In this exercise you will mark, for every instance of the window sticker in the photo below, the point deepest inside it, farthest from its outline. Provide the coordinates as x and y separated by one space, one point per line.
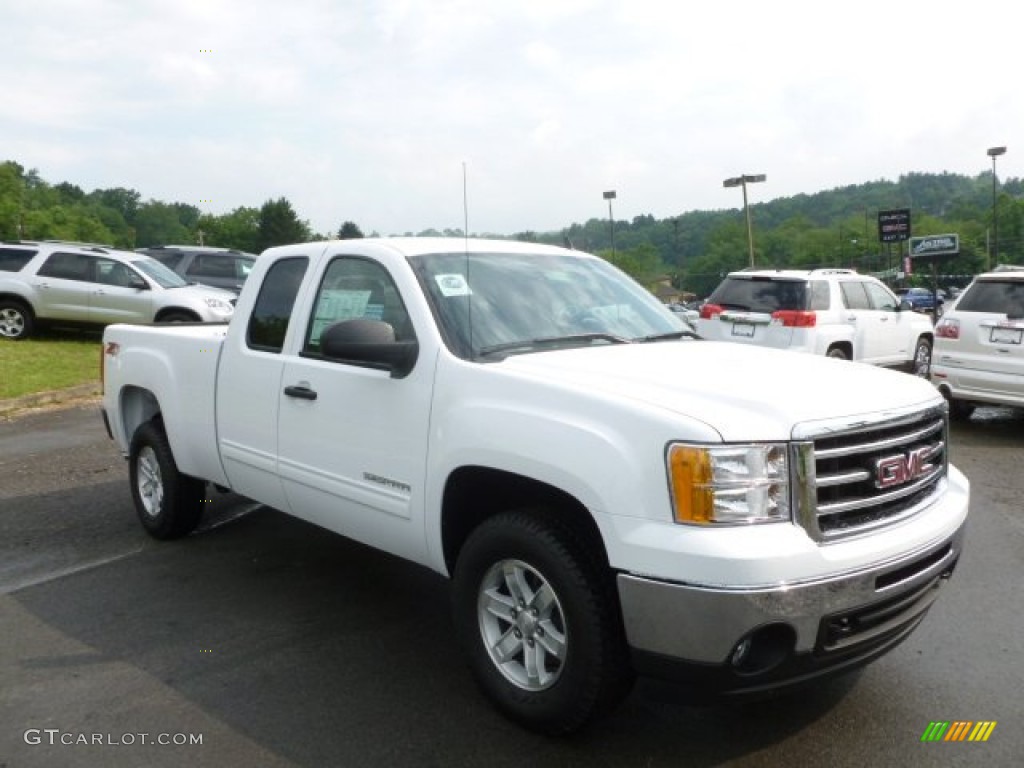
453 285
335 305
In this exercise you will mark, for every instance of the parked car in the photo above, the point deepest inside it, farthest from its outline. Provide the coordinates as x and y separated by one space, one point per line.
76 284
979 344
834 312
921 299
220 267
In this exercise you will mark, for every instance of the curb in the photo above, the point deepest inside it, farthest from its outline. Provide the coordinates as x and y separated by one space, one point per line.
54 397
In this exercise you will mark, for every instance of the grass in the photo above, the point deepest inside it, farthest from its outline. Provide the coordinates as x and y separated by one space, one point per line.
48 360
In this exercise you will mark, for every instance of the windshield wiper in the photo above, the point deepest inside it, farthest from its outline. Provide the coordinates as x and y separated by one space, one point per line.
547 341
669 336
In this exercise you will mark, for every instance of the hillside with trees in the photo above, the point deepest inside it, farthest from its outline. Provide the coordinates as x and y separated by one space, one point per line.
832 228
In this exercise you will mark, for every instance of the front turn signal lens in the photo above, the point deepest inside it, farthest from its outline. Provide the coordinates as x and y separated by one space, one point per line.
729 484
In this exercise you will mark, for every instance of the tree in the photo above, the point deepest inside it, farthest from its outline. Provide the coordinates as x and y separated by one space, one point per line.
280 225
350 231
238 229
158 223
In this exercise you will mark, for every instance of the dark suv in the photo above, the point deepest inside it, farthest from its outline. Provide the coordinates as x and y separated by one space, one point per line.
220 267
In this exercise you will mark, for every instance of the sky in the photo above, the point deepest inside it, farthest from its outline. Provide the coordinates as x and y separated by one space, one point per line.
385 112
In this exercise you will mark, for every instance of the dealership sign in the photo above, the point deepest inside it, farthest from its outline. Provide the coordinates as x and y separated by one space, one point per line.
934 245
894 225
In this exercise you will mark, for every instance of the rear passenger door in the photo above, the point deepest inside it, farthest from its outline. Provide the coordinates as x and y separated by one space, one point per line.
63 285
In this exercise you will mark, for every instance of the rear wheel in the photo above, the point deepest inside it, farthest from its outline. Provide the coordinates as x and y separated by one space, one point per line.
539 620
16 322
838 353
168 503
922 365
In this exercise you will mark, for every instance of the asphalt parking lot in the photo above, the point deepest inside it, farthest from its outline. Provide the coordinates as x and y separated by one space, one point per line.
273 643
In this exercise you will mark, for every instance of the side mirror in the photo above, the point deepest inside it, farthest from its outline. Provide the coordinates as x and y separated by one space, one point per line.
906 306
369 343
136 281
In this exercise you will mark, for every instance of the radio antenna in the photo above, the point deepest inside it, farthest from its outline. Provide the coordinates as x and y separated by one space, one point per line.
465 241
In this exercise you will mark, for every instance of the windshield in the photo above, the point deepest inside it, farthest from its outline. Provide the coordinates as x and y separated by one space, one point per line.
164 276
498 303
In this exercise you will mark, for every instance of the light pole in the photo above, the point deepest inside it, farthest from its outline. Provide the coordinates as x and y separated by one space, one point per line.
993 253
742 181
609 196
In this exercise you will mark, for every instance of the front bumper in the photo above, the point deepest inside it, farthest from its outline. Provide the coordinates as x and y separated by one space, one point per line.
792 631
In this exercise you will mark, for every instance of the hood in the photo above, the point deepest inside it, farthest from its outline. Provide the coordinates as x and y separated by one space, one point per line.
744 393
207 291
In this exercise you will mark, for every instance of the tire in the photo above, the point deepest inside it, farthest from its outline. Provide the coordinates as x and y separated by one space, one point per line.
960 410
16 320
177 317
922 363
168 503
837 353
565 655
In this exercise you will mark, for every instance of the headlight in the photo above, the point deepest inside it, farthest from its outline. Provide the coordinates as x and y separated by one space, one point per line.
729 484
219 306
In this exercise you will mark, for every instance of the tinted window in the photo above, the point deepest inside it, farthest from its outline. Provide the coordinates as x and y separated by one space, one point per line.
854 295
273 309
880 297
998 296
66 266
172 260
213 265
761 294
354 287
13 259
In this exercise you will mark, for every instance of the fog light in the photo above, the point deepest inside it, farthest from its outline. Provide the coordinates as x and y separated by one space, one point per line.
763 649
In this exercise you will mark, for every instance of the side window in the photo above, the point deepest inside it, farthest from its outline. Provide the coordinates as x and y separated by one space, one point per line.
111 272
854 295
821 298
66 266
881 298
13 259
209 265
356 287
273 309
171 260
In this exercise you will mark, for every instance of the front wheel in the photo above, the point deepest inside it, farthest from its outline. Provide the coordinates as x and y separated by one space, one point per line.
168 503
539 620
837 353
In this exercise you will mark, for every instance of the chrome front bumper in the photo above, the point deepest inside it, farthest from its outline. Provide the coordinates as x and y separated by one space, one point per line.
838 616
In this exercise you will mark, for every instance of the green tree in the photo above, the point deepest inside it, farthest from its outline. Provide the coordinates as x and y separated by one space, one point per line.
239 229
280 225
158 223
350 231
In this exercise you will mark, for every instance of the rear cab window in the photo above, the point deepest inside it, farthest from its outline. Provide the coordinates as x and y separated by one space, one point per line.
272 312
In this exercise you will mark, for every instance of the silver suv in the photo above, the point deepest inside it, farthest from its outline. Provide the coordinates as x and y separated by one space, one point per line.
979 344
76 284
833 312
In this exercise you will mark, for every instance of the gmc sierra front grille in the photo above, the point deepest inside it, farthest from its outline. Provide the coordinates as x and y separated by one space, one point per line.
866 475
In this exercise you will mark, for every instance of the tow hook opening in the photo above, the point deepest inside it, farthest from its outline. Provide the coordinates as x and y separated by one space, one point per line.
763 649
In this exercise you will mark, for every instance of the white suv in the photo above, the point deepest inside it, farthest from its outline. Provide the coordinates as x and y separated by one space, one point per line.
979 344
833 312
59 283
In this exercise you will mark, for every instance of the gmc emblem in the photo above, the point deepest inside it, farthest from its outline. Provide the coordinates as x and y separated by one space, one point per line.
901 469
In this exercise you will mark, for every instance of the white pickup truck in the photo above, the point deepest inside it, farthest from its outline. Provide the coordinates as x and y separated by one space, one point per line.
609 495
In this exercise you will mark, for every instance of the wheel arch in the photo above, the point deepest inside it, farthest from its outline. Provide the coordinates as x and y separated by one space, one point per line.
473 494
172 311
137 406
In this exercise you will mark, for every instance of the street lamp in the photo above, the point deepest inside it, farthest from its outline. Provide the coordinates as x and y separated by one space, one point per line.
609 196
742 181
994 152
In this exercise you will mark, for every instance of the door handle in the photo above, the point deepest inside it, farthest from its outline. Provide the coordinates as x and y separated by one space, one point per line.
300 391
